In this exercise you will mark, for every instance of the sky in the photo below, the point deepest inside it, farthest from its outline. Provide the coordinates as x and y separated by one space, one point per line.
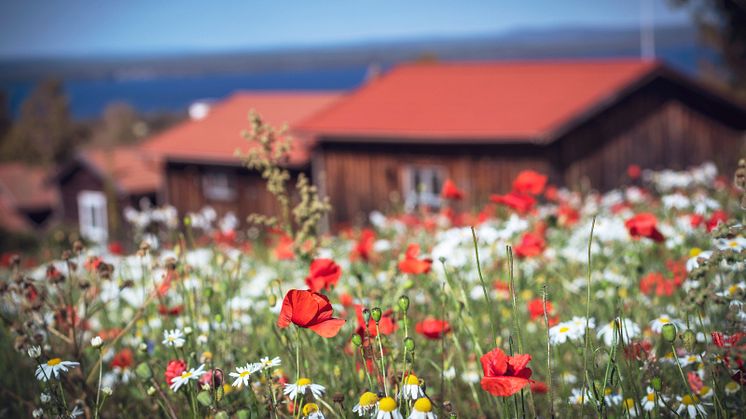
107 27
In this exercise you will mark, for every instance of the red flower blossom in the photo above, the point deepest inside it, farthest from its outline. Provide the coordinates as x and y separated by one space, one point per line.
531 245
520 202
164 310
346 299
529 182
207 378
387 324
123 359
310 310
432 328
115 248
724 341
364 247
536 308
567 216
284 248
323 274
538 387
505 375
92 263
411 264
716 218
634 171
174 369
644 224
450 191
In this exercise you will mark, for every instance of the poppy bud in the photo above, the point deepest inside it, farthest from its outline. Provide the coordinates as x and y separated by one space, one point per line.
404 303
669 332
143 371
656 383
409 344
203 397
357 340
689 338
366 316
376 314
221 415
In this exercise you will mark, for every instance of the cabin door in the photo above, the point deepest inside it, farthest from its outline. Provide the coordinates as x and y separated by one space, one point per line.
92 216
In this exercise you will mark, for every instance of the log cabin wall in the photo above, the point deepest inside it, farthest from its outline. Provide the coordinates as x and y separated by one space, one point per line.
79 179
360 177
659 127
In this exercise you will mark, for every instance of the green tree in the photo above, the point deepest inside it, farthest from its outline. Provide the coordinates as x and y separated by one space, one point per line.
722 25
44 133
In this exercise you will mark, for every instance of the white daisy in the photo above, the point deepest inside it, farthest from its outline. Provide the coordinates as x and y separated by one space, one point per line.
311 411
576 397
611 397
733 290
656 325
422 409
300 387
387 409
53 368
243 374
692 407
266 363
366 404
607 332
691 359
173 338
411 388
562 332
192 374
630 408
649 401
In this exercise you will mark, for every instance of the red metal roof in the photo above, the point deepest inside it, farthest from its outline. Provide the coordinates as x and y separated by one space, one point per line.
216 137
477 100
131 168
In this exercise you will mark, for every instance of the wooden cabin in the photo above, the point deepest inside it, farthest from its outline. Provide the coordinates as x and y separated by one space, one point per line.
99 184
28 202
582 122
200 165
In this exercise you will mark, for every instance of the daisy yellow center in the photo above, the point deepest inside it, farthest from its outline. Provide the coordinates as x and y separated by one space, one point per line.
244 374
54 361
651 397
704 390
688 400
310 408
186 374
732 289
607 391
170 338
733 244
412 379
732 386
564 329
664 319
695 252
368 399
303 382
387 404
423 405
629 404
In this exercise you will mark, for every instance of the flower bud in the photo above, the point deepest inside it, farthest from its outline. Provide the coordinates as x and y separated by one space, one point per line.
404 303
366 316
656 383
97 342
34 352
143 371
669 332
689 338
376 313
357 340
409 344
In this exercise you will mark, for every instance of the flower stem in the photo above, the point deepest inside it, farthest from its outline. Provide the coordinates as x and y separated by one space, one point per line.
586 342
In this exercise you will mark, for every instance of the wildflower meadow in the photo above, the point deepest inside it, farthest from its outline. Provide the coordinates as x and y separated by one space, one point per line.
543 302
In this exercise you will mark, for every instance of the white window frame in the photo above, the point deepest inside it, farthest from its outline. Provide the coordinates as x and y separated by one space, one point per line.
429 176
217 186
92 216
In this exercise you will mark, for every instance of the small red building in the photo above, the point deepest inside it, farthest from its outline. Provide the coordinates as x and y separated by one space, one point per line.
583 122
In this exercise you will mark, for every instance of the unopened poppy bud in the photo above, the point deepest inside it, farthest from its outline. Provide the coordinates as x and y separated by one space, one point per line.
656 383
409 344
357 340
689 338
376 313
143 371
366 316
404 303
669 332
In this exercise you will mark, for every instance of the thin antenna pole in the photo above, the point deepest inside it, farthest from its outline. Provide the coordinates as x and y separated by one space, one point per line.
647 31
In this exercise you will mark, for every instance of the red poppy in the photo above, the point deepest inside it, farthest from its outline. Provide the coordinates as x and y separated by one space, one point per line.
432 328
364 247
174 369
529 182
346 299
724 341
323 274
123 359
450 191
387 324
520 202
505 375
532 244
92 263
695 220
310 310
634 171
538 387
536 308
551 193
284 248
716 218
225 238
644 224
115 248
411 264
567 216
165 310
207 378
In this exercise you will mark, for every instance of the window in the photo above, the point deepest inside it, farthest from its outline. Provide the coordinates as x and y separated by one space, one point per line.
422 185
218 186
92 216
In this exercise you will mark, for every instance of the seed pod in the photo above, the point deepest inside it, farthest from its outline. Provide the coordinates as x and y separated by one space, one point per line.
656 383
404 303
409 344
669 332
357 340
376 313
690 339
366 316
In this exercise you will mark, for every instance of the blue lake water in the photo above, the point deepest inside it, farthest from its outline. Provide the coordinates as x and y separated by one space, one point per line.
88 98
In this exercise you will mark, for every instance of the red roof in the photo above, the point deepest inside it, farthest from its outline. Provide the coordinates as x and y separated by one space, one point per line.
26 187
479 101
132 169
216 137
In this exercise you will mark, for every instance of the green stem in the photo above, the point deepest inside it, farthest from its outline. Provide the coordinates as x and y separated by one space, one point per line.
586 342
383 365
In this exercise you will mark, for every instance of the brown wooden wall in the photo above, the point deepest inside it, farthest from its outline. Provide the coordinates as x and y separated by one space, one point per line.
184 190
78 179
360 178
